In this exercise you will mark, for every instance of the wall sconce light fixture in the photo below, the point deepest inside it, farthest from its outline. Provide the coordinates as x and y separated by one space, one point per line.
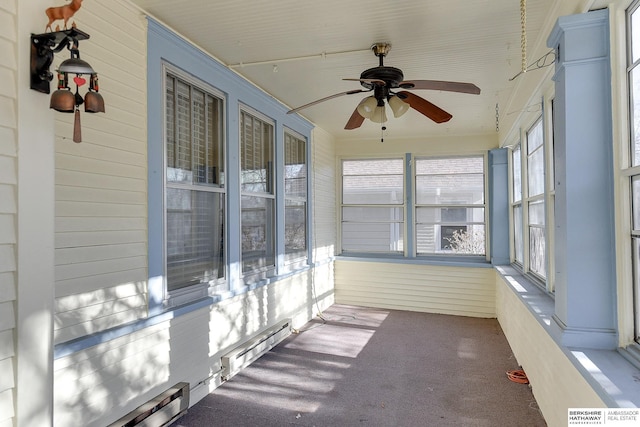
43 47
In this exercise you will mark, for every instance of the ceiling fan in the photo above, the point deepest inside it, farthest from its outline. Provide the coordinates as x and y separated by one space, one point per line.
383 80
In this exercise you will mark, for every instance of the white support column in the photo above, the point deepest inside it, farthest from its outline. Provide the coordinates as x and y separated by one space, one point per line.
35 241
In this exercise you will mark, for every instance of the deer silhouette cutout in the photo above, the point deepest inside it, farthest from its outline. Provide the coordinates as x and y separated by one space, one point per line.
62 12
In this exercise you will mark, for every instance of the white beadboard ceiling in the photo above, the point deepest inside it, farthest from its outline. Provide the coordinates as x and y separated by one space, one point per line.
316 44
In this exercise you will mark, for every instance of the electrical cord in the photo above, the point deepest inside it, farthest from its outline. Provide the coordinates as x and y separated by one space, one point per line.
518 376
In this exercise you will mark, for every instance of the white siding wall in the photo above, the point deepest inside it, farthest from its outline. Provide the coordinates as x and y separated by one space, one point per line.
555 381
8 208
464 291
324 196
109 380
101 200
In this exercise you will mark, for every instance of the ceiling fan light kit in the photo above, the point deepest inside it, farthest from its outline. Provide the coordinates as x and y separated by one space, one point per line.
382 80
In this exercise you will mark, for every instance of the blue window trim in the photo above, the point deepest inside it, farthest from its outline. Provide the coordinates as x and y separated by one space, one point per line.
164 46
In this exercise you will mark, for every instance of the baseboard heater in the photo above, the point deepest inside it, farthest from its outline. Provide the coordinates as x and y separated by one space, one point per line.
160 411
251 350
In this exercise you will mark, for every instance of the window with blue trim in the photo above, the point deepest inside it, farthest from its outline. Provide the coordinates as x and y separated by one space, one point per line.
194 187
445 215
258 196
295 197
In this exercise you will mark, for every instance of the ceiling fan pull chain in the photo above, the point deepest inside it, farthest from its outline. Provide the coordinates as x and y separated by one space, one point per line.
523 35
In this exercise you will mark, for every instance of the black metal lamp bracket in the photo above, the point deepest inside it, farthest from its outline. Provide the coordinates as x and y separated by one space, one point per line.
43 46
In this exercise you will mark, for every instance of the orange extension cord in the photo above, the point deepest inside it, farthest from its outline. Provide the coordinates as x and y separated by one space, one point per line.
518 376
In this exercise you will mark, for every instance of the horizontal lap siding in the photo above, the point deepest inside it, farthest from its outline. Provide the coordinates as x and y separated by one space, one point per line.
8 208
465 291
100 384
101 184
324 195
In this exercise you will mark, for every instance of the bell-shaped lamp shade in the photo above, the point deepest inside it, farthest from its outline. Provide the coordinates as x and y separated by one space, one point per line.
398 106
367 106
379 115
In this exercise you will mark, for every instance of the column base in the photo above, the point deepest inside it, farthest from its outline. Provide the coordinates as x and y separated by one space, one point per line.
592 338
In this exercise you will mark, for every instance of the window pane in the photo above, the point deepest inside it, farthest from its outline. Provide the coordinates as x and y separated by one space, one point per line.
295 227
373 182
635 184
517 234
456 180
195 237
534 138
295 173
256 154
295 187
635 36
450 215
635 115
537 251
367 214
450 228
535 161
257 233
194 135
458 230
372 237
536 213
194 218
517 174
367 229
437 238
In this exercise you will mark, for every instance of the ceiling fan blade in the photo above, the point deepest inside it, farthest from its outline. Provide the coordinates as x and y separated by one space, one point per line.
376 81
424 107
349 92
355 121
441 85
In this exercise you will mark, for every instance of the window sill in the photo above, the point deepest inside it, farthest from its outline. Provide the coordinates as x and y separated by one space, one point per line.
611 375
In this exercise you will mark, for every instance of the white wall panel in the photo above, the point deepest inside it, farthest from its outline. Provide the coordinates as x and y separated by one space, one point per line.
324 198
101 200
465 291
125 372
555 381
8 209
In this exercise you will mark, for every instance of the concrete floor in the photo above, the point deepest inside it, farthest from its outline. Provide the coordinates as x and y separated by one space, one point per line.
360 366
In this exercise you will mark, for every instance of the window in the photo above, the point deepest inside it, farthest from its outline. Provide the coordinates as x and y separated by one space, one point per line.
532 198
448 216
516 205
633 171
373 206
295 196
535 200
258 195
194 187
449 200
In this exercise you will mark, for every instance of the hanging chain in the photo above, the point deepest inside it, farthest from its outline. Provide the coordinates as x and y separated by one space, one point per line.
497 118
523 34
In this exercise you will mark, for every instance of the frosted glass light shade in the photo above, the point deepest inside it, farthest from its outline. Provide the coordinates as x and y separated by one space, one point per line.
398 106
367 106
379 115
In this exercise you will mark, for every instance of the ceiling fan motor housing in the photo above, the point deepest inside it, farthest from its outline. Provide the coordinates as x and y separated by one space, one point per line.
390 75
